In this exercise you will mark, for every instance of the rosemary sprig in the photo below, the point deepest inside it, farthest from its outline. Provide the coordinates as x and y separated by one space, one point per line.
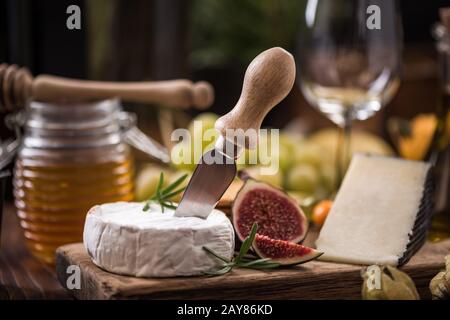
241 260
163 196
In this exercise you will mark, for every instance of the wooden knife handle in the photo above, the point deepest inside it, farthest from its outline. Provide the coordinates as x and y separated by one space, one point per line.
175 93
268 80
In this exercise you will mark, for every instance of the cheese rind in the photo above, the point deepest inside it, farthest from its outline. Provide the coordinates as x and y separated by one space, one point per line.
122 238
373 215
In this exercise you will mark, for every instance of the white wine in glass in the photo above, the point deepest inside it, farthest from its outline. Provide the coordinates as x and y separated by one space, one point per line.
349 58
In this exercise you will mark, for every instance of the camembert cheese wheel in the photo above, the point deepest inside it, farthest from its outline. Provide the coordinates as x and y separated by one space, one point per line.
122 238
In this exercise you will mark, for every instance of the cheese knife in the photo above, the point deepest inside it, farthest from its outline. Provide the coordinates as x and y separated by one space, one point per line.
268 80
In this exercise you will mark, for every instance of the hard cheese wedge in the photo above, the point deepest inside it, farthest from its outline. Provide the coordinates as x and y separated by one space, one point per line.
380 214
121 238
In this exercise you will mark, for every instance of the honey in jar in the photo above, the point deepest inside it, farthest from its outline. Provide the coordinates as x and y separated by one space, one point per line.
72 157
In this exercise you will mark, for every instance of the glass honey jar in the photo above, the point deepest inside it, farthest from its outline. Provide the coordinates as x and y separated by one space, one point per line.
72 157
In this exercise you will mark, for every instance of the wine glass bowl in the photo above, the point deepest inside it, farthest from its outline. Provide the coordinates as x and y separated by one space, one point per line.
349 69
346 86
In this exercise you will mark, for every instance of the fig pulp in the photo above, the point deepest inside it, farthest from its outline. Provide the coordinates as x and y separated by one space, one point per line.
278 216
283 252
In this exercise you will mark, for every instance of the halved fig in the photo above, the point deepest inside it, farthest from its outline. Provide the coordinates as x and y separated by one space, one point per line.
283 252
278 215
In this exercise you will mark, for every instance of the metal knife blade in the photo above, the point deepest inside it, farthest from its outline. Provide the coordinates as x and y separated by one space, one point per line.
207 185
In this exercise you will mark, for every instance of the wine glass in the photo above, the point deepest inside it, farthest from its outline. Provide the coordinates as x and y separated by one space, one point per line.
349 60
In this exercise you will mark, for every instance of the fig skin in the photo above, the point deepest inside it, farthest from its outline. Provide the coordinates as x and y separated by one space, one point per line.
293 235
303 254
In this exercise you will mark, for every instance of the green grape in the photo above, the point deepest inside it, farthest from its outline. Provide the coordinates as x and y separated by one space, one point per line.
146 182
290 141
285 159
182 155
275 179
281 151
362 141
303 177
328 176
201 128
280 155
310 153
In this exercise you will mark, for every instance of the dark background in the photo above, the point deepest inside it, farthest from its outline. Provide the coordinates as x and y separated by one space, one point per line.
196 39
213 40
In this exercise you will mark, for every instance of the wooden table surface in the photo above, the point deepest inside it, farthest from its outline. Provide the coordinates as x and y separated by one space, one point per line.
24 277
313 280
21 275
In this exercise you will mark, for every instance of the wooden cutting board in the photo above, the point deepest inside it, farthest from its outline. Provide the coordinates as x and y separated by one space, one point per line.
313 280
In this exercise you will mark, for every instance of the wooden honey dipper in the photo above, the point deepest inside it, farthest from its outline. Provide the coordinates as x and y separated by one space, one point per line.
17 86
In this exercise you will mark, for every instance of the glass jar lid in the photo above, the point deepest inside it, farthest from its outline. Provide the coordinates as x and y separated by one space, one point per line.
73 125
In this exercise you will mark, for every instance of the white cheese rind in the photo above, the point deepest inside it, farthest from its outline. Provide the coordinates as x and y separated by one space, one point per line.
374 211
122 238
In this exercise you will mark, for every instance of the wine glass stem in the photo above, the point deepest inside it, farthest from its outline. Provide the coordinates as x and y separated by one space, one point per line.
343 153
